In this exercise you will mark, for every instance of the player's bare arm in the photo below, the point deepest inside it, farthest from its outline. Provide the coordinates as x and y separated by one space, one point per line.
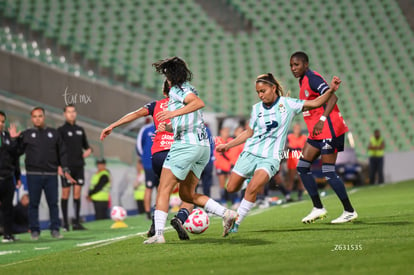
141 112
240 139
192 104
319 101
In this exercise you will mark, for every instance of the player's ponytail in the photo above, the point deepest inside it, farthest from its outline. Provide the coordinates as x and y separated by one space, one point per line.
271 80
175 70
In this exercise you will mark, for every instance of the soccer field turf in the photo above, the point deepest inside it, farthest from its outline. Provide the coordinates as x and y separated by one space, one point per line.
269 241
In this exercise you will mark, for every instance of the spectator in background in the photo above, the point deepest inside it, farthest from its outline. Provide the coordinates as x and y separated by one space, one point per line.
295 143
9 173
99 190
223 163
376 157
45 151
78 149
144 144
21 215
139 187
207 174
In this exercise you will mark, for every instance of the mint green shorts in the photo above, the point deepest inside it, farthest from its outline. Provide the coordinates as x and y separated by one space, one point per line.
248 163
184 158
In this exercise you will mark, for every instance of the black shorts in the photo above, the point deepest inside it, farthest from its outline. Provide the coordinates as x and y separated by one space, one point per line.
158 161
151 180
221 172
329 145
77 174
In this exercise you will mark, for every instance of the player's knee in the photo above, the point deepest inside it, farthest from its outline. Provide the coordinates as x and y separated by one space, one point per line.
231 187
328 171
303 167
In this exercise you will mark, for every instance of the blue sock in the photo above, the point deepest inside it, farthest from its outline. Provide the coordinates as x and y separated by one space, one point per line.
182 215
337 185
305 174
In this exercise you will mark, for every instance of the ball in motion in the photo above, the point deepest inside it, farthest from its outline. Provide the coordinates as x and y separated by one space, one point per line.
197 222
118 213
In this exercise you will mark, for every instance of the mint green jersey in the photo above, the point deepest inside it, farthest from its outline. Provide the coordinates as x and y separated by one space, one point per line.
270 125
188 128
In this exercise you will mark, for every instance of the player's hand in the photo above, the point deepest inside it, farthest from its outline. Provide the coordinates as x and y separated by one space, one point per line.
60 171
317 129
164 115
106 132
162 127
336 81
69 178
18 184
13 131
221 148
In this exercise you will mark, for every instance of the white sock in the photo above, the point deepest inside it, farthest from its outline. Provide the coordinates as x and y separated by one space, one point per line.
160 217
214 207
243 209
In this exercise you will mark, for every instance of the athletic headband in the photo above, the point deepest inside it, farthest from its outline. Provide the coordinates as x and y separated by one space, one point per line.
266 81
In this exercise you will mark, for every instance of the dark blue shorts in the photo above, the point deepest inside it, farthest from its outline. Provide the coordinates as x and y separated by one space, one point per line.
77 173
329 145
158 161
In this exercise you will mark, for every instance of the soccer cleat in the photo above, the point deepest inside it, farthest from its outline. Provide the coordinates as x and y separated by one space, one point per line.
229 218
178 226
151 231
78 226
235 228
155 239
34 235
346 217
315 214
56 234
66 227
9 239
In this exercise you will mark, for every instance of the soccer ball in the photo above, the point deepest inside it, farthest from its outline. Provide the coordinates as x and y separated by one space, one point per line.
197 222
118 213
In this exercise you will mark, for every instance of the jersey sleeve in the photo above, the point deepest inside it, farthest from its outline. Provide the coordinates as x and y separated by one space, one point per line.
296 105
318 84
85 143
150 107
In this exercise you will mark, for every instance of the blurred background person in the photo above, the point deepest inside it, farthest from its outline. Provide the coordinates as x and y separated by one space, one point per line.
78 149
295 142
376 157
207 174
9 174
99 190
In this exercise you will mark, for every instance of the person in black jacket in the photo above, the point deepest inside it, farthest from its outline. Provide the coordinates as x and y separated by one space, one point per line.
77 148
45 151
9 172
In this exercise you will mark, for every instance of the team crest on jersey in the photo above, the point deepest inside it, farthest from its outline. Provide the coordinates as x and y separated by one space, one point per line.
79 132
33 135
7 141
50 135
70 133
282 108
306 93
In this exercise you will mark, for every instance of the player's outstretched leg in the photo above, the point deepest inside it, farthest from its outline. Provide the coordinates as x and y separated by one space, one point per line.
178 221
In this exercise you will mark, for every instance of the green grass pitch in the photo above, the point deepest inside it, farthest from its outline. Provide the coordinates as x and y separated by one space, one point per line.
271 241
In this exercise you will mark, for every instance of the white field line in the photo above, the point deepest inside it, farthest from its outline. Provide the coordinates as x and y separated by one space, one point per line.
9 252
41 248
15 263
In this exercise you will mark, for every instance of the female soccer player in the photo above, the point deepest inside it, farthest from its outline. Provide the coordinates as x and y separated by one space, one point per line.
265 138
327 131
190 151
161 145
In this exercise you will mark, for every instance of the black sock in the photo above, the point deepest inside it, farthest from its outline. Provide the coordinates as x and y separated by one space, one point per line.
347 205
300 193
182 215
64 206
76 203
317 201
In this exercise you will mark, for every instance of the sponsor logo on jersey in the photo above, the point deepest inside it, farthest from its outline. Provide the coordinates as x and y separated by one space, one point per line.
50 135
79 132
271 124
306 93
33 135
70 133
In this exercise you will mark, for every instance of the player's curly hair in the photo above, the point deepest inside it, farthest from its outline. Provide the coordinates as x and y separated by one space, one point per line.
271 80
166 87
175 69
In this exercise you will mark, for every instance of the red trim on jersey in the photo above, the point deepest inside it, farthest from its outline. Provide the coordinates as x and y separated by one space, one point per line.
334 122
162 140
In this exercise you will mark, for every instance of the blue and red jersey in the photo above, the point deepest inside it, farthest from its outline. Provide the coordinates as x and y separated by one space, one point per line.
162 140
313 85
